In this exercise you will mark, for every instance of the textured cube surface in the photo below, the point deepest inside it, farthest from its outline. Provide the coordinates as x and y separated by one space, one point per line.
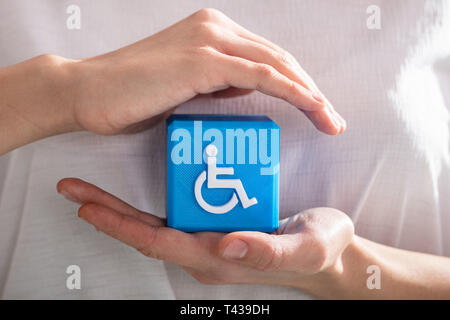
222 173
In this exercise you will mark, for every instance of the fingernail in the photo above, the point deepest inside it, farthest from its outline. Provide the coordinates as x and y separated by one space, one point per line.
235 250
69 196
333 118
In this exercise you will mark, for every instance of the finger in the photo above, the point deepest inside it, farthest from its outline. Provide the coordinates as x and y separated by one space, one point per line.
228 23
307 81
80 191
289 66
324 121
336 116
312 241
321 120
156 242
266 252
256 52
245 74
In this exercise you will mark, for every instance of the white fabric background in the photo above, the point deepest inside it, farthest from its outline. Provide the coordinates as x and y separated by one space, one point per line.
390 171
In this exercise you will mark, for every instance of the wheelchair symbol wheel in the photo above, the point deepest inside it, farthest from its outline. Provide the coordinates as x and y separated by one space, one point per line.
206 206
214 182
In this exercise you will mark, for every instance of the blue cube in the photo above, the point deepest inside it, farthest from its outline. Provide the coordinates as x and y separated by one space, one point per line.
222 173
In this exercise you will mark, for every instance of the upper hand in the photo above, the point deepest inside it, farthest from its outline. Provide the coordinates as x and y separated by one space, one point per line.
204 53
306 248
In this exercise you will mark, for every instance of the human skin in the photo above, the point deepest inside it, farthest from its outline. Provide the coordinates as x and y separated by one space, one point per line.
126 89
315 250
206 53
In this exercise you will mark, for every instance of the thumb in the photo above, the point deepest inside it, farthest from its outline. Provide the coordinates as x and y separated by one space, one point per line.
262 251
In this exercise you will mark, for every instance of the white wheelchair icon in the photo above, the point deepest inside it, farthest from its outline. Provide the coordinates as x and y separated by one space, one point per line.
213 182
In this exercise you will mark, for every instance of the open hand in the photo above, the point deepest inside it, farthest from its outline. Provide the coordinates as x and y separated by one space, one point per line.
206 52
307 246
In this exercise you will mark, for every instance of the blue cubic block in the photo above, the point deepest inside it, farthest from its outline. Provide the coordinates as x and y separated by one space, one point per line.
222 173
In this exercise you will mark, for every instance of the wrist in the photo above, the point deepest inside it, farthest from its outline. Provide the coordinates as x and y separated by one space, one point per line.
35 101
57 93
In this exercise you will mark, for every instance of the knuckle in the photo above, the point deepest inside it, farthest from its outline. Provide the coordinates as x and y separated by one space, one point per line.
265 70
49 59
203 52
148 248
208 31
204 61
207 14
285 58
292 89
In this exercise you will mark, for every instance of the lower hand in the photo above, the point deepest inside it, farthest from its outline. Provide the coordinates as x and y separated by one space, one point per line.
305 251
